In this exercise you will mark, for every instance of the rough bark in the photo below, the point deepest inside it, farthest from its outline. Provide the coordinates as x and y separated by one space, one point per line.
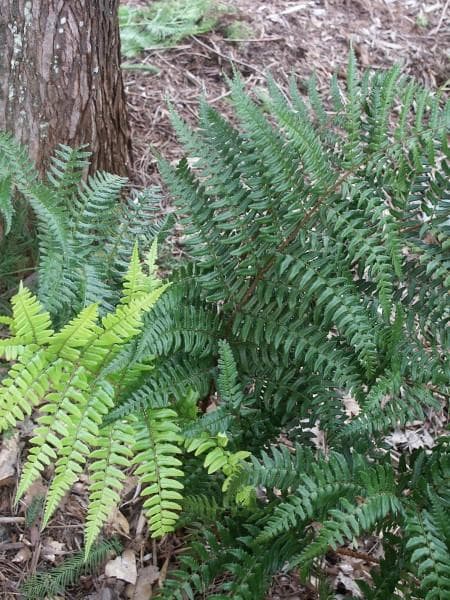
60 79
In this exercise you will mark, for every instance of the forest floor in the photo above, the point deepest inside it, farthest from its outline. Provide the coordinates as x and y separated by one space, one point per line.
254 37
280 37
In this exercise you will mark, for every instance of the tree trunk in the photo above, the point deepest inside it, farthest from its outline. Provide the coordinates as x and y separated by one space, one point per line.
60 79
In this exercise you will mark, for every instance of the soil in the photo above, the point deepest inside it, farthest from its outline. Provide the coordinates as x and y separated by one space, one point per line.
255 37
280 37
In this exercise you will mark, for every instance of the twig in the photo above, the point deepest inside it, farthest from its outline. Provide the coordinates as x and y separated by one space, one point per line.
220 97
355 554
11 546
6 520
262 39
441 20
228 58
154 553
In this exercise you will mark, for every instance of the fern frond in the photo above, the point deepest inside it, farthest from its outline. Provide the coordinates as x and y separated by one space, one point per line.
111 454
53 582
348 522
430 556
164 23
327 483
6 205
227 384
30 323
27 384
69 385
66 171
81 433
156 449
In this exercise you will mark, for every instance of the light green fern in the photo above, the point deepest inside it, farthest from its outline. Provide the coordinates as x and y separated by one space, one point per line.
67 375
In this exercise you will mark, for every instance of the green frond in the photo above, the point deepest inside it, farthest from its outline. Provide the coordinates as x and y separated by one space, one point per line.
327 483
26 385
227 384
80 435
170 379
164 23
134 281
430 556
282 469
69 385
307 322
66 171
118 328
349 521
6 204
202 509
30 323
111 455
71 339
214 422
156 449
176 326
46 584
74 375
98 202
138 220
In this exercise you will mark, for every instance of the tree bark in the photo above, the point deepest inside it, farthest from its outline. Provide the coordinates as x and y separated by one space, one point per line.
60 79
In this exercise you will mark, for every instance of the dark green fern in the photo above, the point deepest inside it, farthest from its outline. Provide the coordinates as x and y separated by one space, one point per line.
319 243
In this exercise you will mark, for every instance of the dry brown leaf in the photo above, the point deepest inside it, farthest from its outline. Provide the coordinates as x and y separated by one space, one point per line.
350 585
351 406
318 438
118 523
123 567
23 555
51 549
9 453
143 588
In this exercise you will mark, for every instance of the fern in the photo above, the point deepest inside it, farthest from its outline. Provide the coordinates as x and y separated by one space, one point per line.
86 235
47 584
164 24
319 246
429 555
307 323
67 374
156 448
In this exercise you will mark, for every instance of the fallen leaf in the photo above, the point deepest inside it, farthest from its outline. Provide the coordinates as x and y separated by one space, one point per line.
146 578
348 581
9 454
23 555
52 549
318 437
123 567
117 522
351 406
